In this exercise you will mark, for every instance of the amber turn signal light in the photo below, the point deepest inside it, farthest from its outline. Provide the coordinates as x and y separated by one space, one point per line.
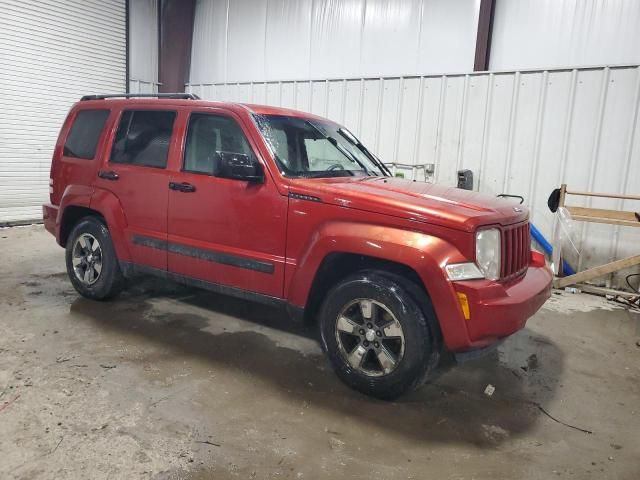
464 305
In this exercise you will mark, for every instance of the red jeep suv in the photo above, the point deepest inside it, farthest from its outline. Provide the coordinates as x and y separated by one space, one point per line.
290 209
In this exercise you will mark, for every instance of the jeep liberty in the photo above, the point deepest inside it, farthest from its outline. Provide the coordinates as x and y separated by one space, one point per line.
290 209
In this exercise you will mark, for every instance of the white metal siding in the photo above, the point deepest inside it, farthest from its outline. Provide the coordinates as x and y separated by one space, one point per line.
143 46
521 133
51 53
559 33
251 40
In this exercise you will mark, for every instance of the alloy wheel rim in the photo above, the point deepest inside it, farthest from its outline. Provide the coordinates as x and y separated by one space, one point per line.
370 338
86 258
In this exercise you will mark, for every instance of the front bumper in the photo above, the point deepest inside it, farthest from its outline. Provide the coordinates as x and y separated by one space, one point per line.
500 309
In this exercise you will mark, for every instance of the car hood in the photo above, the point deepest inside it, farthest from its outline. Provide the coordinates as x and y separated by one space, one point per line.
418 201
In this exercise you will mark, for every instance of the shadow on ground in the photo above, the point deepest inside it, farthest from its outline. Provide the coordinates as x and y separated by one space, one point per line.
451 408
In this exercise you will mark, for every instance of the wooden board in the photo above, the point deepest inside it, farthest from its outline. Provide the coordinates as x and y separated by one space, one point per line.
585 287
611 221
602 215
596 272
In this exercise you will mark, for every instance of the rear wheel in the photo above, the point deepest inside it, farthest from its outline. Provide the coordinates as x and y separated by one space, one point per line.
91 260
380 337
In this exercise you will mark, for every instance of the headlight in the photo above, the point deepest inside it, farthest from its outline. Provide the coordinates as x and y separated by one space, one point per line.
488 253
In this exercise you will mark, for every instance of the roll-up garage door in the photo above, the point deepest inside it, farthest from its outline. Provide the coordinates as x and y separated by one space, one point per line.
51 53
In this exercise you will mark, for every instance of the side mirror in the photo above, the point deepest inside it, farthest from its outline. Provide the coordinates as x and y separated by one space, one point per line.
239 166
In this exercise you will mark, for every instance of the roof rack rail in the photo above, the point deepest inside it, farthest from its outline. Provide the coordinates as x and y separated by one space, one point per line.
185 96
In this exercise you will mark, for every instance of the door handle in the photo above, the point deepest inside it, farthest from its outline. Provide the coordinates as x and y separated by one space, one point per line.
182 187
108 175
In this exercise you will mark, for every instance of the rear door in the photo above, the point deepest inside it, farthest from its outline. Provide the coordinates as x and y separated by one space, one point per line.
136 172
225 231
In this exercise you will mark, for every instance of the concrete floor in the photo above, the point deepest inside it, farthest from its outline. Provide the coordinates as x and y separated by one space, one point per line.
171 382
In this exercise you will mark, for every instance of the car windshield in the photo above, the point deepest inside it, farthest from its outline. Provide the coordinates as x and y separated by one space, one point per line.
315 148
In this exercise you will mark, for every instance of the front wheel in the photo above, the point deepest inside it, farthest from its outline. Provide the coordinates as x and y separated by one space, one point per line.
380 338
91 260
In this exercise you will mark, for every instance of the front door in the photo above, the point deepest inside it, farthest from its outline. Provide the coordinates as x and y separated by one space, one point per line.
224 231
136 173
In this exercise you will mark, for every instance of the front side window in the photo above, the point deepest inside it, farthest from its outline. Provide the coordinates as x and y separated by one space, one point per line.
84 135
314 148
209 136
143 138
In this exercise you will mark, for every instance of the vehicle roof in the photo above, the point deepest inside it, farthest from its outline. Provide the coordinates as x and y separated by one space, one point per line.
176 102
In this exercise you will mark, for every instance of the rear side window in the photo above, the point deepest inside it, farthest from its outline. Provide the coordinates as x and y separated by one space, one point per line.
143 138
85 133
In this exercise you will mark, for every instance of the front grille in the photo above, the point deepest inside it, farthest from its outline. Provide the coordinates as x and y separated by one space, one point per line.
516 250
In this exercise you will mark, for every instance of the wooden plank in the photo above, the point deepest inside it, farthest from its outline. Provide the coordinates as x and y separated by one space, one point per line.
605 195
603 213
611 221
563 194
596 272
606 291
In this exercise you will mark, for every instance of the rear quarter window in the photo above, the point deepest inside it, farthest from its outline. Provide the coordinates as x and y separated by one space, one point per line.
84 135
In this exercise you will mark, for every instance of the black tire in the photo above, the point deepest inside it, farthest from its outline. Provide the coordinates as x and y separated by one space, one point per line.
412 309
109 281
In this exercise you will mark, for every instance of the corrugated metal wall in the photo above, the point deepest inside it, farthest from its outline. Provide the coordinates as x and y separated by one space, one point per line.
559 33
51 53
521 133
244 40
143 46
257 40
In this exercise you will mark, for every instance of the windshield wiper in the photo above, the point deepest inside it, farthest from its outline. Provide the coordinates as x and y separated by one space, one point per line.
358 144
340 148
375 159
348 154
